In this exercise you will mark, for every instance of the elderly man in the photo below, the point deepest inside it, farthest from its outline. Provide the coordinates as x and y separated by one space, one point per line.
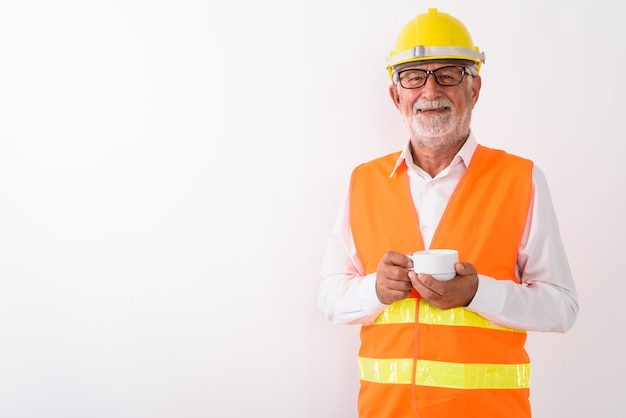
452 348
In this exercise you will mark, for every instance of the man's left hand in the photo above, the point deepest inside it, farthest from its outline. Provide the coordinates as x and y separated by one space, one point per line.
454 293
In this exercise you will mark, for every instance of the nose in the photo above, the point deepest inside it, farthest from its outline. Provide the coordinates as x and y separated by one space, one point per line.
431 89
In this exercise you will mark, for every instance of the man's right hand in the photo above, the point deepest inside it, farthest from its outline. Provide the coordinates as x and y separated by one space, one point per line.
392 277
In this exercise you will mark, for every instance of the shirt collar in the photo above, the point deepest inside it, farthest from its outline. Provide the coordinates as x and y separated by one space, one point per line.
464 155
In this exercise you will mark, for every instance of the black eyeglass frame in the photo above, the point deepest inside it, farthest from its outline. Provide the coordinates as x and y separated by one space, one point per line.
434 73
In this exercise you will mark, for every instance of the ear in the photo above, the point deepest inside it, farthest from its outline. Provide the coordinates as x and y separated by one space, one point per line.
395 96
477 82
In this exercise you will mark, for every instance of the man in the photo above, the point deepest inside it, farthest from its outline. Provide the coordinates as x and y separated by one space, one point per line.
431 348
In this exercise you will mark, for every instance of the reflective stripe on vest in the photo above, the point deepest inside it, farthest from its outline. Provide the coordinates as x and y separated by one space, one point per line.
445 375
403 312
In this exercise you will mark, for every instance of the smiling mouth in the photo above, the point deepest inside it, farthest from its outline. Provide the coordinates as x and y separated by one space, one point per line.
433 109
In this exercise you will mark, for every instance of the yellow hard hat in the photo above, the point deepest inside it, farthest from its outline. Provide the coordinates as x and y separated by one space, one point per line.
434 36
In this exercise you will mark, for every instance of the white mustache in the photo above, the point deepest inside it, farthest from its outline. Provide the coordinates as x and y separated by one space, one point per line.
423 104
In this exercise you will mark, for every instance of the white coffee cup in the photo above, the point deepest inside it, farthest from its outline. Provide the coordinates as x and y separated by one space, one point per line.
438 263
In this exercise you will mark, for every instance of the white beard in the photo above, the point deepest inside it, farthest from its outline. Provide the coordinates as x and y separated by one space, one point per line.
439 130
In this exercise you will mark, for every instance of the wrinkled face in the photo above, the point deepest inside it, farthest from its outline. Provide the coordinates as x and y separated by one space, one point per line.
436 115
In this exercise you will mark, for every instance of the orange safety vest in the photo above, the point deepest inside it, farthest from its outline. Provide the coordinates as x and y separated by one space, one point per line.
444 363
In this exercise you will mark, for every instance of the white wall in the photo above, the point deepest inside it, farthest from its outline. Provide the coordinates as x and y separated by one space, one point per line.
170 171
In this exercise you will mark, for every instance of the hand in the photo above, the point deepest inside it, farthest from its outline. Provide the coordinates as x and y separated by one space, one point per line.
454 293
392 279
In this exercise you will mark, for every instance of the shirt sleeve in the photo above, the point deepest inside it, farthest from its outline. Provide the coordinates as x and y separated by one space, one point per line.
346 295
545 299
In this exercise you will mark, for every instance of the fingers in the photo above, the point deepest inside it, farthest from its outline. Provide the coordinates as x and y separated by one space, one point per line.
457 292
394 258
427 286
392 281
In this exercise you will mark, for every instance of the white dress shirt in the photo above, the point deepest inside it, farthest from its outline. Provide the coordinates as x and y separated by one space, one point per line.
544 300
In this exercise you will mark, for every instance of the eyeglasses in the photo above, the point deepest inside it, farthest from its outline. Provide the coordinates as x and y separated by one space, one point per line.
445 76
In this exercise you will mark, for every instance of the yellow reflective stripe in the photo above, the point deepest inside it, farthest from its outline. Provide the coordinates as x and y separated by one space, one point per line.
455 317
403 312
445 375
400 312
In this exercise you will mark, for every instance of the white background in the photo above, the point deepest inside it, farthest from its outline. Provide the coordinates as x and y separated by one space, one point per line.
170 172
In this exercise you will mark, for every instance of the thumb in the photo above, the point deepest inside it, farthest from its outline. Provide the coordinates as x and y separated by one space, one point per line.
464 269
